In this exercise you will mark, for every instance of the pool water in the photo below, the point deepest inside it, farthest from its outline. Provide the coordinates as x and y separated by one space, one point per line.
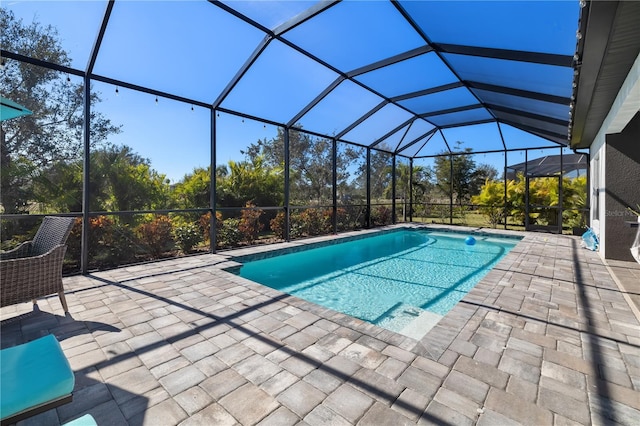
403 280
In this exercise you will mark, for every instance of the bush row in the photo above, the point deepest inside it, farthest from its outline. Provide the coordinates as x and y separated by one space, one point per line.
120 240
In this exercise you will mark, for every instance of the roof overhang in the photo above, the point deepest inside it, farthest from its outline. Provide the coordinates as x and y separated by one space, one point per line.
609 46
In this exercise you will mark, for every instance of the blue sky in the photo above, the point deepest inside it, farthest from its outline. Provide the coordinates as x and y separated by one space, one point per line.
193 49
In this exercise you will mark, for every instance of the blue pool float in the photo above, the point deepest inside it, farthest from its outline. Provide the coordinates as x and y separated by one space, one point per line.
470 241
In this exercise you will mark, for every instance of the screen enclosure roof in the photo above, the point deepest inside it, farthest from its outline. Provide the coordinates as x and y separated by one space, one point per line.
408 77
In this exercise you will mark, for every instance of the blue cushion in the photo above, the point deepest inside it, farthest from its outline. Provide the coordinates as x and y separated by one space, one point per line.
33 374
85 420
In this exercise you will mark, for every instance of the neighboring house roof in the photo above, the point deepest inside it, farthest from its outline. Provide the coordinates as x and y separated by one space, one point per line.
550 165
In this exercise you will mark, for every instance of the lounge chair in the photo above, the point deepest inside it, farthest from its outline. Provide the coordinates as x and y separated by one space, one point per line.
86 420
34 377
34 268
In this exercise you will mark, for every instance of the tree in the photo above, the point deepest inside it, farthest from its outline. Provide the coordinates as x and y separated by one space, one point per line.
404 181
468 177
313 170
348 190
310 164
380 174
481 174
250 181
458 183
124 181
58 187
120 180
53 133
195 188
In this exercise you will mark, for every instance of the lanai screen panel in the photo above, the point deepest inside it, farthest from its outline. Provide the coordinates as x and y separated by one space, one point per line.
516 138
394 139
440 101
554 130
417 144
534 26
456 118
351 34
436 145
153 44
311 170
144 123
479 137
76 23
248 151
279 84
541 78
271 14
419 129
380 123
337 110
411 75
522 103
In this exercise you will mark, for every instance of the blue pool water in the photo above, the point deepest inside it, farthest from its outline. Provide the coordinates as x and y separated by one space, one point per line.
394 279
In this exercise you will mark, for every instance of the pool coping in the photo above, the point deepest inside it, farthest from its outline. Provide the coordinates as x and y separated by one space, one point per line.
311 243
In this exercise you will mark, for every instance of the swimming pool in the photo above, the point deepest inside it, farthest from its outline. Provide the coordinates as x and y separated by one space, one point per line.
404 280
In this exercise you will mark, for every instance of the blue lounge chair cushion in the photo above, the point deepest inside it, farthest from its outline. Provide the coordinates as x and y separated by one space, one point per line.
86 420
33 374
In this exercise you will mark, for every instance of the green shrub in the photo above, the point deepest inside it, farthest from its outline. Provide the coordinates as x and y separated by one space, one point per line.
14 233
120 241
296 225
187 236
229 234
491 202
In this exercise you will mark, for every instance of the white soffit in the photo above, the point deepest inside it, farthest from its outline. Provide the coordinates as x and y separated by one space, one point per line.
627 102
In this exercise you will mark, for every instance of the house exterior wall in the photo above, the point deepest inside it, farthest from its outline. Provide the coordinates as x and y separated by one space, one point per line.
622 189
615 171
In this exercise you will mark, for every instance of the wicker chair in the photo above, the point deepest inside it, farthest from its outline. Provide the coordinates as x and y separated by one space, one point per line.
34 268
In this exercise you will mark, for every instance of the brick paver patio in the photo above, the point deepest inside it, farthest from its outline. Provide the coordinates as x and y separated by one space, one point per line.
547 337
